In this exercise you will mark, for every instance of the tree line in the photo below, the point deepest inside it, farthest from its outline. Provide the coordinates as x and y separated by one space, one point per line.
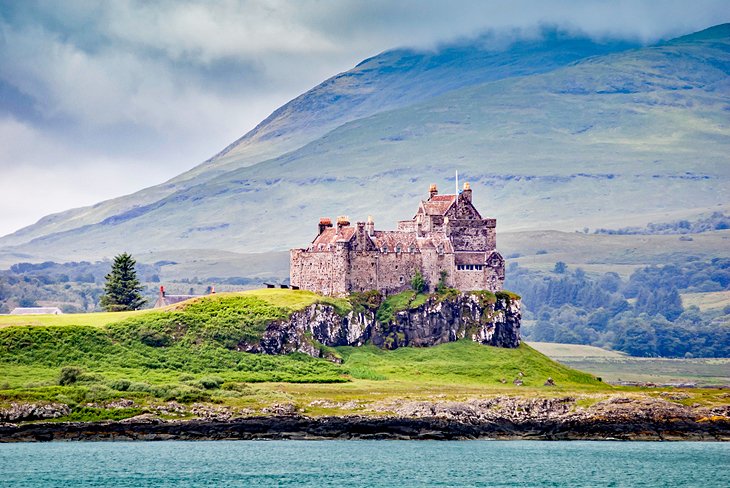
642 316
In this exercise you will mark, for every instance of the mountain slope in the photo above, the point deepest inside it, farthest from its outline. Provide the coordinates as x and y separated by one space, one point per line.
392 79
641 133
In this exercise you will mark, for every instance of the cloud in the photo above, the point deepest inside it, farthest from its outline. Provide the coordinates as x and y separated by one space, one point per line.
95 88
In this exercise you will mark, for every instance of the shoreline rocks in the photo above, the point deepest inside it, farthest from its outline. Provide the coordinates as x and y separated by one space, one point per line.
617 417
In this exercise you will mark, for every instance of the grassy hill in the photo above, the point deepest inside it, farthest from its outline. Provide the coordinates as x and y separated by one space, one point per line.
188 353
586 138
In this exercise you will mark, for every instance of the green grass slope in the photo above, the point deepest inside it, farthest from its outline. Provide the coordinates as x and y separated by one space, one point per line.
188 353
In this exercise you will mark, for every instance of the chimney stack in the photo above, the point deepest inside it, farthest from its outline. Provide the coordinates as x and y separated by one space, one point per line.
432 190
324 222
370 226
342 221
467 192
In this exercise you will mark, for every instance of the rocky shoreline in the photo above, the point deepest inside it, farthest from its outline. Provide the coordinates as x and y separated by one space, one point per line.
616 418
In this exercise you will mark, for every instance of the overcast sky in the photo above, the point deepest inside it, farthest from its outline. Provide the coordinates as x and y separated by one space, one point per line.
100 99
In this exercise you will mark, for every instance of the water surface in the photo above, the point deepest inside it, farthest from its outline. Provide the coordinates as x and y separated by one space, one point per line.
355 464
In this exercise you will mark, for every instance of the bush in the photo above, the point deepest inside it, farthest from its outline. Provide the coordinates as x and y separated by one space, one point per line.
418 283
209 382
69 375
120 385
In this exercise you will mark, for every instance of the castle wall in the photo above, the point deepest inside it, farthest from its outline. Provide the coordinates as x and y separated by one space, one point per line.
322 272
363 274
435 262
395 270
472 234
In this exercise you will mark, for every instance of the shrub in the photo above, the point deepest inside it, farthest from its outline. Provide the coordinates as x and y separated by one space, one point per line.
209 382
120 385
69 375
418 283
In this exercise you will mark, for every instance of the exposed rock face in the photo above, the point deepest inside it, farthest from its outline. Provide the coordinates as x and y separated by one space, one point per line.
469 315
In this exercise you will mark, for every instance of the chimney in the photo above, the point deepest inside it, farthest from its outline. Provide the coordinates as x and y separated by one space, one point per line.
433 190
342 221
324 222
467 192
370 226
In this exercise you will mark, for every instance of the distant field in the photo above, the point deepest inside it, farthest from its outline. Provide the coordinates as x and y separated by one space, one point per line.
558 351
703 371
707 301
599 253
614 366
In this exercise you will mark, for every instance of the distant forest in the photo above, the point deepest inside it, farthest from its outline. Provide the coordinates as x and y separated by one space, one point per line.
77 286
716 221
643 316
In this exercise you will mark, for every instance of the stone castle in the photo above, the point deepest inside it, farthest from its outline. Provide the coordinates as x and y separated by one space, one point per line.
447 237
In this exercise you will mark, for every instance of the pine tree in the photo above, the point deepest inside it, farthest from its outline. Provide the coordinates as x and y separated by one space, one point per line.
122 288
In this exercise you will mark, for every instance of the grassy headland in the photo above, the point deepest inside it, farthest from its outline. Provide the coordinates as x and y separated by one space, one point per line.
188 353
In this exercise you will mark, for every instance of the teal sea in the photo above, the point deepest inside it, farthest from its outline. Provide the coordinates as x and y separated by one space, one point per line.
354 464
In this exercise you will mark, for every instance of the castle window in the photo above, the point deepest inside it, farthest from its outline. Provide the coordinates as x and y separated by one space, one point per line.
384 249
321 246
411 249
397 248
402 280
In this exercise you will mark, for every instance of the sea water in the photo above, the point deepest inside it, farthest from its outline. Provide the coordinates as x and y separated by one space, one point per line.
354 464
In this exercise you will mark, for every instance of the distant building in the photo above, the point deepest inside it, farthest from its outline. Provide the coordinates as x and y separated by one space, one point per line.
447 235
36 311
163 299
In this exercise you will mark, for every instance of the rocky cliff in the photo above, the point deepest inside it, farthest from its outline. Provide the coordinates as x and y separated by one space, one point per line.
483 317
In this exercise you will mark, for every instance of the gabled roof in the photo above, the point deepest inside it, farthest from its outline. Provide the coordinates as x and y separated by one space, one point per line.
438 204
331 235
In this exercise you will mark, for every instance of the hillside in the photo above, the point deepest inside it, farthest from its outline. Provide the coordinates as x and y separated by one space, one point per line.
561 134
191 352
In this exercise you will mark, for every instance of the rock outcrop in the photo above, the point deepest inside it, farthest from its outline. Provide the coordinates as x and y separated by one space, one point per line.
480 316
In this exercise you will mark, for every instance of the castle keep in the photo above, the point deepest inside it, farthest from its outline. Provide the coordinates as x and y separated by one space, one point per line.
447 234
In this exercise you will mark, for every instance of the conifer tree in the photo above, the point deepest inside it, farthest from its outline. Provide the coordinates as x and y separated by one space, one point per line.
122 288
